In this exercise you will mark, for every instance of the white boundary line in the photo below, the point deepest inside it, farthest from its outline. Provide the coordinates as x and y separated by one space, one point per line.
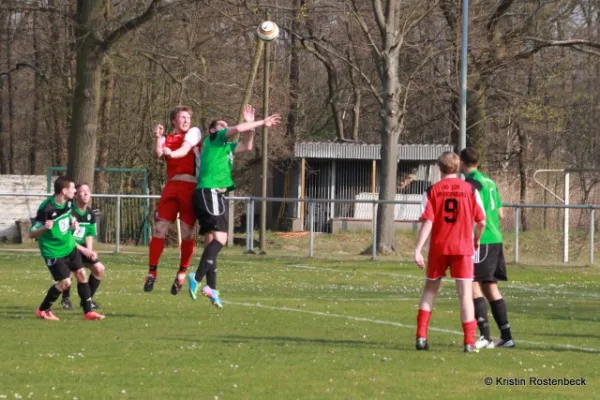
401 325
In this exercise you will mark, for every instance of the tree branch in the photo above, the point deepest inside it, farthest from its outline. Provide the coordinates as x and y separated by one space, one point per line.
134 23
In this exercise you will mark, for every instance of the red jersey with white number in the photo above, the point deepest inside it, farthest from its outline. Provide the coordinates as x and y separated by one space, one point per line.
452 205
188 164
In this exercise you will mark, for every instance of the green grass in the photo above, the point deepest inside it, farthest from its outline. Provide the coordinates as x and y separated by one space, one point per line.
292 328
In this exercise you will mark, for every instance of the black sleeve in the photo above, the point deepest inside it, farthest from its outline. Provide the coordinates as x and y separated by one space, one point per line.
476 184
41 217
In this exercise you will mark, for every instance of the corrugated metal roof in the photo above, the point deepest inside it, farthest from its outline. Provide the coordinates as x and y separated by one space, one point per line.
363 151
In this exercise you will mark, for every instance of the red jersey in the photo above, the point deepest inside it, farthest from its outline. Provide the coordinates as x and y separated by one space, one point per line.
190 163
452 205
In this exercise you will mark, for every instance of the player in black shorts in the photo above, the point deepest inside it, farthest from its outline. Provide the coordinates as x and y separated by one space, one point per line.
490 266
84 237
53 227
214 181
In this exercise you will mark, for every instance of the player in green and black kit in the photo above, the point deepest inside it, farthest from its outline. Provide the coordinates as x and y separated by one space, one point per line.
84 237
490 266
215 180
53 226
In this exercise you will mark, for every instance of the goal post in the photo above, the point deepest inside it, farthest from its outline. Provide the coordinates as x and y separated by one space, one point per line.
565 199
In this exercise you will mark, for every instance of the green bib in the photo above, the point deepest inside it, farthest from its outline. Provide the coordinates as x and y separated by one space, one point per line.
488 190
216 162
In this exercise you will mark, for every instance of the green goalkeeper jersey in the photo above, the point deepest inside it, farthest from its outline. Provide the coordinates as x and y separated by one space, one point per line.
57 242
87 224
491 203
216 162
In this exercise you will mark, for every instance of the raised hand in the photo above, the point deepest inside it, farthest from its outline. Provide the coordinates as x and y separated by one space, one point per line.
273 120
49 224
158 131
248 113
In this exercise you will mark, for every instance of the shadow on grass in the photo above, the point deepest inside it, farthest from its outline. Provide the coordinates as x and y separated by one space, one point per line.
283 340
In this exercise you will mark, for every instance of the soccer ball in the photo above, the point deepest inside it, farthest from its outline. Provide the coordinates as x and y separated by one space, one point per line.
267 31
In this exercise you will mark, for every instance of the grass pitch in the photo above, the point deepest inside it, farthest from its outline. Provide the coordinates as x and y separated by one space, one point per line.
291 328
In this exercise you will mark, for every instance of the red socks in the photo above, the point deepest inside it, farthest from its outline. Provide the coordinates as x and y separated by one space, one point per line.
423 323
469 330
157 245
186 253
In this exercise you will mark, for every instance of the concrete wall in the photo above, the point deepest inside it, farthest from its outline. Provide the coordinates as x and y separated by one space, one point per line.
350 225
13 209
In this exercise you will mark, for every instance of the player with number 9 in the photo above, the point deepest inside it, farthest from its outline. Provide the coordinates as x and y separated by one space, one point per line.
450 209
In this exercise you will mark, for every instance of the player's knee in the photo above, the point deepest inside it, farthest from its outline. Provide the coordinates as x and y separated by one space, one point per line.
80 275
98 270
187 231
161 228
64 284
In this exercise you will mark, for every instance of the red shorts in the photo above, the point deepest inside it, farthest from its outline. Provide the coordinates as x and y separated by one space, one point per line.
176 198
461 267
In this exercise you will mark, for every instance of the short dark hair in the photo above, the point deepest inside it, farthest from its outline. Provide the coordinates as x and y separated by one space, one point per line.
62 182
469 156
175 111
80 185
213 125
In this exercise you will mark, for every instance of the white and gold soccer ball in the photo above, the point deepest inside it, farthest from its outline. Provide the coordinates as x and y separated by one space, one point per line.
267 31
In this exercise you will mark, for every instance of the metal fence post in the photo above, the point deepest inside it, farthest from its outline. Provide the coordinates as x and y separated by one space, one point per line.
374 221
311 223
251 225
517 221
592 220
248 226
118 225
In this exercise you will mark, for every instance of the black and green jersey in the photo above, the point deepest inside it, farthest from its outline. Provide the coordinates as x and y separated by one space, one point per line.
216 162
87 224
57 242
491 203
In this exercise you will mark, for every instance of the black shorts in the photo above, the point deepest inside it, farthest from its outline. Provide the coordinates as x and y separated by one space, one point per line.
88 262
211 211
490 265
61 268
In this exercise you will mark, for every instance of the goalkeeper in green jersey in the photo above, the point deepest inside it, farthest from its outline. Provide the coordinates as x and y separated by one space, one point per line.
214 181
490 266
53 227
84 237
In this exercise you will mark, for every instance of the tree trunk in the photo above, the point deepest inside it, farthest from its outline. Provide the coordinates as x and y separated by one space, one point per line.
386 242
476 118
9 89
333 84
523 156
35 114
60 96
392 111
3 158
86 99
105 115
292 118
356 114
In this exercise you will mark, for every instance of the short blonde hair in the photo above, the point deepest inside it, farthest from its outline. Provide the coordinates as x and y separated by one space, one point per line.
449 162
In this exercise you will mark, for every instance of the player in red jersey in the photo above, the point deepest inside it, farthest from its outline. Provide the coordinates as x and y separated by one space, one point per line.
181 152
450 208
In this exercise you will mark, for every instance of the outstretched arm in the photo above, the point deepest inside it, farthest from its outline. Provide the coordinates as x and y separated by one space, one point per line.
270 121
